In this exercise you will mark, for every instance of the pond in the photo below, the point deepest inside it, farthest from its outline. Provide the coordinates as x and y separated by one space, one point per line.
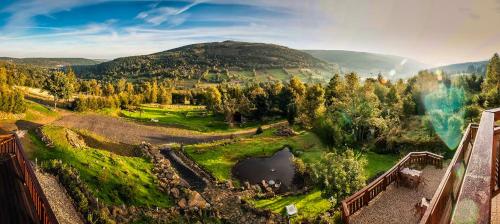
278 169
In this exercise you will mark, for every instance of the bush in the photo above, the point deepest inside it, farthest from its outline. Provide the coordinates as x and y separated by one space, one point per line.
11 100
339 174
259 130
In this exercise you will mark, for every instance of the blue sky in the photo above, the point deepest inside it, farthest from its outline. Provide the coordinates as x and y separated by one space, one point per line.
432 31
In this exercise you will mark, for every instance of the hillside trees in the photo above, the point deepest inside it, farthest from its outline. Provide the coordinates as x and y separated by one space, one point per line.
491 85
59 85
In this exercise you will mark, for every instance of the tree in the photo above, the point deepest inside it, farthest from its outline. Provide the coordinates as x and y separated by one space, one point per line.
110 89
313 106
121 85
491 85
59 86
213 99
339 174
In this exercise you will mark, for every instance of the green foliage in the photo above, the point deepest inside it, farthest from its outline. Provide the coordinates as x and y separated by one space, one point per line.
11 100
60 85
339 174
491 84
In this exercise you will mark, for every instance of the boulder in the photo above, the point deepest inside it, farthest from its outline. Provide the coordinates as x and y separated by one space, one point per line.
229 184
182 203
175 192
196 200
75 139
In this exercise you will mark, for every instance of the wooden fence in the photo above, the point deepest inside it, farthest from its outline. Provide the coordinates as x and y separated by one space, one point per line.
9 144
361 198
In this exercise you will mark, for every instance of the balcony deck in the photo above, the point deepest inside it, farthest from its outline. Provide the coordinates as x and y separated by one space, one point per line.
396 204
15 205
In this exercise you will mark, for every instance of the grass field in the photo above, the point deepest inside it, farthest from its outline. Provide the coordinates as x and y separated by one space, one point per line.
106 173
189 117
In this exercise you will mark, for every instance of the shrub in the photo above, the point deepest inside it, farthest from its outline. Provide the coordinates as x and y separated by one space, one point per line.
259 130
339 174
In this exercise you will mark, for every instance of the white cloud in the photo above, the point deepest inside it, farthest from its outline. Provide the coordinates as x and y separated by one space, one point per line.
158 16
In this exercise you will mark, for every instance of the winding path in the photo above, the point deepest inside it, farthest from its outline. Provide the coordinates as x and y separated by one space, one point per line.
129 132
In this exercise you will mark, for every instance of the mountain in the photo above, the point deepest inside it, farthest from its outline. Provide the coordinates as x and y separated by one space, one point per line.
214 62
370 64
52 62
467 67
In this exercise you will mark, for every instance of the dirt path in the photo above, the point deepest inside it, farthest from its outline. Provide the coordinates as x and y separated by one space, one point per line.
122 130
59 201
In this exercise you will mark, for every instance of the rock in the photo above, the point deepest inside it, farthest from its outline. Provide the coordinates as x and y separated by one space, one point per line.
182 203
264 183
75 140
285 131
196 200
229 184
247 185
175 192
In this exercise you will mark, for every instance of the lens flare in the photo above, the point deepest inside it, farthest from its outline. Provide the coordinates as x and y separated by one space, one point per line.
444 108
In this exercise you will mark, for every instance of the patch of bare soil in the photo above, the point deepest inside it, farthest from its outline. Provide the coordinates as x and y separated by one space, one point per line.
127 132
59 201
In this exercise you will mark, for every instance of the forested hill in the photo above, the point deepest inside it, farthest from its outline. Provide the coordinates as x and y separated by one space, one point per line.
467 67
194 61
52 62
370 64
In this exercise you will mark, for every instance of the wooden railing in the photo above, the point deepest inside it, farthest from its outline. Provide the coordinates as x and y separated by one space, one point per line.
9 144
472 178
361 198
446 195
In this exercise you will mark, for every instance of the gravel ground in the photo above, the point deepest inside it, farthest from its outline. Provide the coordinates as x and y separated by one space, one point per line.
397 204
128 132
59 201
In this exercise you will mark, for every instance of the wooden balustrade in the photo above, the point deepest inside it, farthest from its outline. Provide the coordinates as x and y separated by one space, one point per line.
472 178
361 198
9 144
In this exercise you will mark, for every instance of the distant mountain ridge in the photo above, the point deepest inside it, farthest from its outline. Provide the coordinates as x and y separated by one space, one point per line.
53 62
227 58
466 67
370 64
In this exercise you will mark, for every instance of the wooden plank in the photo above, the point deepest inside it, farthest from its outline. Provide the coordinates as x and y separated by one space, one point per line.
473 204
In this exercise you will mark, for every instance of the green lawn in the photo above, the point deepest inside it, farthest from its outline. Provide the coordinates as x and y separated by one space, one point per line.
105 172
378 162
308 205
189 117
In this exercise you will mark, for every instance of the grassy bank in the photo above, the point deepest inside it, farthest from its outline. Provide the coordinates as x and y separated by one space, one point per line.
106 173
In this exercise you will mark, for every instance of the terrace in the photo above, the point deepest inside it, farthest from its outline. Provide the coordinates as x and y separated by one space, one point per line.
466 191
21 197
